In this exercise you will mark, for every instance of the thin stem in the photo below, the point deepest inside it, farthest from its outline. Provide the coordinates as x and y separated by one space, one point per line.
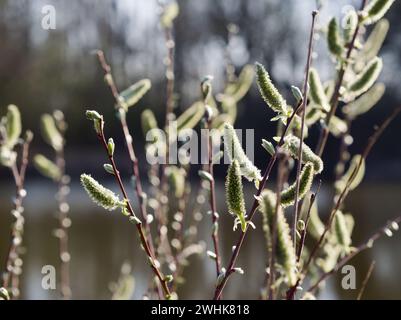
336 96
366 280
10 277
303 110
371 142
129 143
64 224
145 244
266 175
366 245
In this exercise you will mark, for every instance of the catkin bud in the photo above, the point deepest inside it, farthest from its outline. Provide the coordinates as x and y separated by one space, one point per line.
50 132
268 146
350 23
365 102
334 40
93 115
234 150
13 126
129 97
284 247
108 168
269 93
375 10
206 87
296 92
367 77
234 193
110 146
101 195
47 167
305 183
191 117
292 145
317 93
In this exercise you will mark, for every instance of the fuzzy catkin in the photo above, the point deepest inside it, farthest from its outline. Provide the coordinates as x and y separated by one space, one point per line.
334 40
305 183
269 92
284 247
101 195
130 96
47 167
234 193
365 102
13 126
234 150
375 10
374 42
317 93
367 77
292 145
50 132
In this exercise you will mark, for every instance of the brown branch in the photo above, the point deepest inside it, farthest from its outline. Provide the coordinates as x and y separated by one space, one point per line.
366 245
129 143
145 243
336 96
266 175
366 280
303 110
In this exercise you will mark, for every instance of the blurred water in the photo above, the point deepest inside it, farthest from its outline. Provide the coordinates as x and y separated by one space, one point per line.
101 241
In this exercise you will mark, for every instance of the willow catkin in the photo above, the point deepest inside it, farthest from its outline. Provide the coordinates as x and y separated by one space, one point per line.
357 178
375 10
317 93
334 39
235 194
47 167
284 247
191 116
342 233
305 183
268 91
101 195
337 126
50 132
13 126
292 145
234 150
130 96
350 23
366 78
365 102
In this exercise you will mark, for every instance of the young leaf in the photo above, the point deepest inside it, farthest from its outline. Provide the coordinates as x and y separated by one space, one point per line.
47 167
350 23
317 93
191 117
358 177
367 77
129 97
13 126
50 132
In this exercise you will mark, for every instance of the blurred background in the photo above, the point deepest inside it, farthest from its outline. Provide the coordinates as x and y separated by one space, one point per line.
43 70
